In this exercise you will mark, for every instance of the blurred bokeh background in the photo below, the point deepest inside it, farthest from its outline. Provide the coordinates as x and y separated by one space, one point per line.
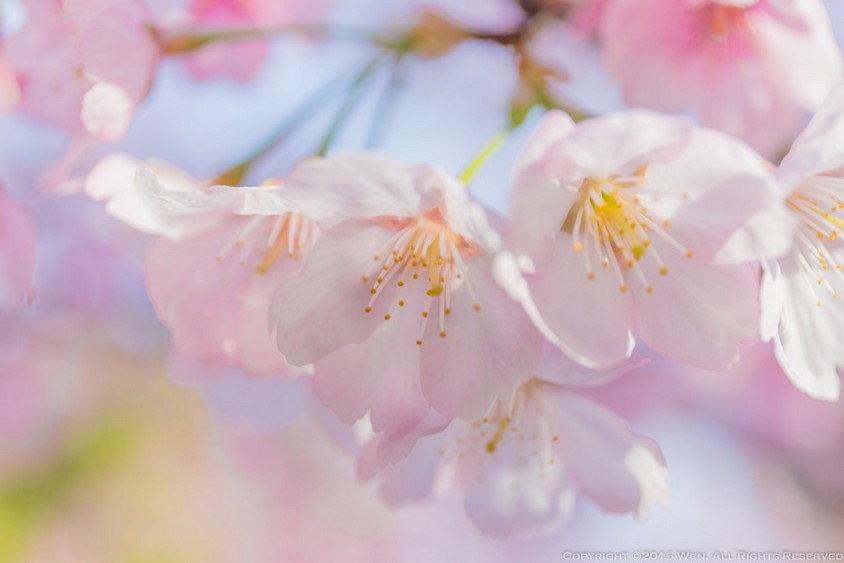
104 458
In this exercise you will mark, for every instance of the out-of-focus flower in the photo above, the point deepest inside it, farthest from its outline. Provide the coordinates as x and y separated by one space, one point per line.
84 65
623 217
242 59
802 305
752 68
221 253
523 464
17 254
213 289
396 304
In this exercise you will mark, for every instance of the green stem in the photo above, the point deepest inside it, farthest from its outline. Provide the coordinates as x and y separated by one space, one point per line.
387 102
355 93
180 42
489 149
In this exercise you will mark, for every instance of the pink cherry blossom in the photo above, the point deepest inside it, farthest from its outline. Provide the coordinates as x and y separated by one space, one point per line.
218 255
84 65
522 466
396 304
623 217
212 288
801 306
241 60
44 56
751 68
17 254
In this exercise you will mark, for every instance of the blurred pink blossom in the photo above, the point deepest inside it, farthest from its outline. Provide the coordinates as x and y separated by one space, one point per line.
213 290
752 68
84 65
241 60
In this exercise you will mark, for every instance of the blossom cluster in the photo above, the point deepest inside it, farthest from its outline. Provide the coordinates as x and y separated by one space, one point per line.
458 344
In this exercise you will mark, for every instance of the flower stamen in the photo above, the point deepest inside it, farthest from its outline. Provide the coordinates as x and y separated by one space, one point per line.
423 247
611 214
819 203
288 233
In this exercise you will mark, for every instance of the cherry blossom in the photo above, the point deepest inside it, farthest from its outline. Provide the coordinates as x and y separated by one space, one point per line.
255 238
242 59
84 65
522 466
802 309
623 217
750 68
396 305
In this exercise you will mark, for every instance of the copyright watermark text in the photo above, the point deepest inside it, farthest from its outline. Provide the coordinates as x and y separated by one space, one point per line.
689 555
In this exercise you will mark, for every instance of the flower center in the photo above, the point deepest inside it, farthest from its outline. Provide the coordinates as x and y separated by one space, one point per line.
422 252
724 33
520 433
724 20
819 202
610 223
269 237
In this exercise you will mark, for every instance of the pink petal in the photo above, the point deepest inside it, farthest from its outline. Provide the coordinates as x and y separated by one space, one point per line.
817 149
486 352
322 308
412 478
554 126
618 470
618 143
592 318
538 208
117 49
216 309
358 185
519 488
239 61
699 313
44 55
107 111
807 342
379 376
512 501
750 83
731 208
